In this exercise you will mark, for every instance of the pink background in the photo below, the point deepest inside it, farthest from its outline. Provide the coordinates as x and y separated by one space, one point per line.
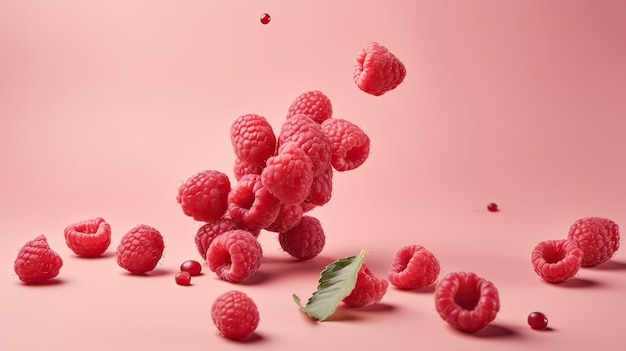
107 107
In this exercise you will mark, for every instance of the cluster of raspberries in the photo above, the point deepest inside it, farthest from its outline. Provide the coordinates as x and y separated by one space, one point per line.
138 251
279 177
590 241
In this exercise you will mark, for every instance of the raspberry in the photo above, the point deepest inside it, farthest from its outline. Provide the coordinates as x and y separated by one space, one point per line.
492 207
307 206
377 70
598 238
235 255
209 231
252 138
241 168
304 241
235 315
36 262
322 188
251 205
413 267
310 137
182 278
288 217
204 196
140 249
289 174
265 18
349 143
192 267
368 290
466 301
314 104
89 238
557 260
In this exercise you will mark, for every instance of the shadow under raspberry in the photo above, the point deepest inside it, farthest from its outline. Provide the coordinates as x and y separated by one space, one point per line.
577 283
490 331
610 266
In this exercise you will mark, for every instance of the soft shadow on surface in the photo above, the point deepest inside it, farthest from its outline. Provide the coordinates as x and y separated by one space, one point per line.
259 277
576 283
342 314
490 331
157 272
425 290
105 255
610 266
49 283
251 339
280 267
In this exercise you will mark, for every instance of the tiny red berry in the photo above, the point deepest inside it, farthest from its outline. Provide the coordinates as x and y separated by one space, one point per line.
193 267
265 18
183 278
537 321
492 207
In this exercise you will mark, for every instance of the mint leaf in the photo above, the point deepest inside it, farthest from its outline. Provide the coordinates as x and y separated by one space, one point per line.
336 282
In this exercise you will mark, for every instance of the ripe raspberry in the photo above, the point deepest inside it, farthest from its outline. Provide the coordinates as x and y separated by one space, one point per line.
209 231
304 241
466 301
89 238
307 206
413 267
192 267
140 249
368 290
288 217
310 137
235 315
350 145
251 205
322 187
557 260
598 238
314 104
252 138
241 168
289 174
204 196
183 278
36 262
377 70
235 255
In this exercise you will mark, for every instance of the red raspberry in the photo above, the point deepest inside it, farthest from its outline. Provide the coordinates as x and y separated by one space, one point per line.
183 278
252 138
557 260
288 217
36 262
251 205
307 206
310 137
89 238
377 70
241 168
598 238
466 301
314 104
192 267
304 241
413 267
322 188
210 230
350 145
235 315
235 255
140 249
204 196
368 290
289 175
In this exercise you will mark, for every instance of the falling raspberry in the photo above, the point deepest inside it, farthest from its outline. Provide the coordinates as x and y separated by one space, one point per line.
265 18
537 321
192 267
492 207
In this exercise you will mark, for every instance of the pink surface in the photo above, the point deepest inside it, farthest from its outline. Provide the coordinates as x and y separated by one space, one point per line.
105 109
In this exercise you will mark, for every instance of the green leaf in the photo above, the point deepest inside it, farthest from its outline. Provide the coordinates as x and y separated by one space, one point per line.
336 282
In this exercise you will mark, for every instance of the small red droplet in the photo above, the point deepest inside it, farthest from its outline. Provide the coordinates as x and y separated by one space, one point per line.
492 207
537 321
193 267
265 18
183 278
